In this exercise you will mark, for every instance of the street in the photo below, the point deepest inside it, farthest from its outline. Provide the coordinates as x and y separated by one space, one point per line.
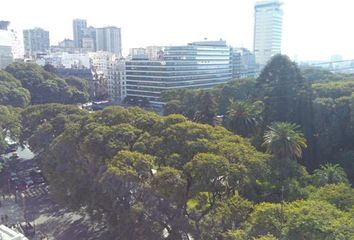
30 200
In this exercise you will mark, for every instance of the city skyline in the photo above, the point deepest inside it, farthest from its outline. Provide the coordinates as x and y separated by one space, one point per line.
311 31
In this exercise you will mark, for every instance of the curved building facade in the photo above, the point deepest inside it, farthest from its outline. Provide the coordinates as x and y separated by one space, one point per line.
199 65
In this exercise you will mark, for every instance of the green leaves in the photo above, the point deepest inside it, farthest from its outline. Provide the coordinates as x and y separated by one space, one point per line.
329 174
284 140
45 87
11 91
244 117
168 176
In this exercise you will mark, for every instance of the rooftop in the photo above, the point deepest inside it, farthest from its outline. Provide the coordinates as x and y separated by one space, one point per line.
9 234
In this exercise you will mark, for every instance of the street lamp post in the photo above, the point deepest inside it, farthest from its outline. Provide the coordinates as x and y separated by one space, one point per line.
24 205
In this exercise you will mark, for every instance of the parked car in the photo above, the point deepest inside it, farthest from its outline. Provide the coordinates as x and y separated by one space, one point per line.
37 176
11 148
16 184
27 229
28 181
38 179
13 175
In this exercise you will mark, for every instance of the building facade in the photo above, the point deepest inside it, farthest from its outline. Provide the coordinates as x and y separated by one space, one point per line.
79 26
109 39
65 60
243 63
116 81
154 52
267 30
198 65
35 41
6 56
135 53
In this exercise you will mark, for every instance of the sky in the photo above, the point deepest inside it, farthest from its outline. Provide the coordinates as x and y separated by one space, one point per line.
312 29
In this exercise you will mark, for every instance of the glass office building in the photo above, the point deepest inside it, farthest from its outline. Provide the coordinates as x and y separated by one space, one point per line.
198 65
267 30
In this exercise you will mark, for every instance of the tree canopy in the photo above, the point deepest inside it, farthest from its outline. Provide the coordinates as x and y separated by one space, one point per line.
46 87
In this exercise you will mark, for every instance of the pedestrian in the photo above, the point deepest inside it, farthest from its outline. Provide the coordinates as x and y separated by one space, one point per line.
2 219
6 218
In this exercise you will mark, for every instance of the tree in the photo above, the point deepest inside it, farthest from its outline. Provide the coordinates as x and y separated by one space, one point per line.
243 117
329 174
11 91
287 97
206 108
10 125
285 93
129 167
341 195
311 220
47 87
284 140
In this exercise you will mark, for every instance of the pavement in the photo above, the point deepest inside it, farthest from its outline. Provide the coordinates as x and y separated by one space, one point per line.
37 205
13 210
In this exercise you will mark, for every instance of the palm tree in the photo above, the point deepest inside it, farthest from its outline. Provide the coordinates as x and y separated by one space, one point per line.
243 117
329 174
284 140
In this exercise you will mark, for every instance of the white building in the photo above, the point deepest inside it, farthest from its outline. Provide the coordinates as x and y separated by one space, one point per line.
6 55
65 60
116 81
137 53
154 52
9 234
267 30
36 41
109 39
112 69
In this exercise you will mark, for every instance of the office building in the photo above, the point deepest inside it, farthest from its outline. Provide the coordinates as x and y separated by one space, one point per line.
267 30
243 63
198 65
154 52
35 41
66 43
108 39
88 44
10 44
79 25
6 57
89 39
135 53
65 60
4 25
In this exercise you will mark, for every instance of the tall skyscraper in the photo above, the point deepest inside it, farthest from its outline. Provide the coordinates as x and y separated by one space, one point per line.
79 26
35 40
109 39
267 30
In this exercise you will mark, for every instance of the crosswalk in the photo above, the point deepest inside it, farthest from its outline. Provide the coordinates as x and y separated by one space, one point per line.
36 191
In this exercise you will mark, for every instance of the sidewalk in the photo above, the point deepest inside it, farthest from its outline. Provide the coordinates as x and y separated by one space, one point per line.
12 209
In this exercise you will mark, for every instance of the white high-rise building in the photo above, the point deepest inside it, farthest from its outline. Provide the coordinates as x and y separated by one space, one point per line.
109 39
6 53
267 30
36 41
79 26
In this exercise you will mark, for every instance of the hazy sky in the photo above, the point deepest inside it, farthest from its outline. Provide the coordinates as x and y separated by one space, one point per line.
312 30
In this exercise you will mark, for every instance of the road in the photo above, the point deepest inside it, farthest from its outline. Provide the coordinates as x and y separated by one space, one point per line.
36 204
